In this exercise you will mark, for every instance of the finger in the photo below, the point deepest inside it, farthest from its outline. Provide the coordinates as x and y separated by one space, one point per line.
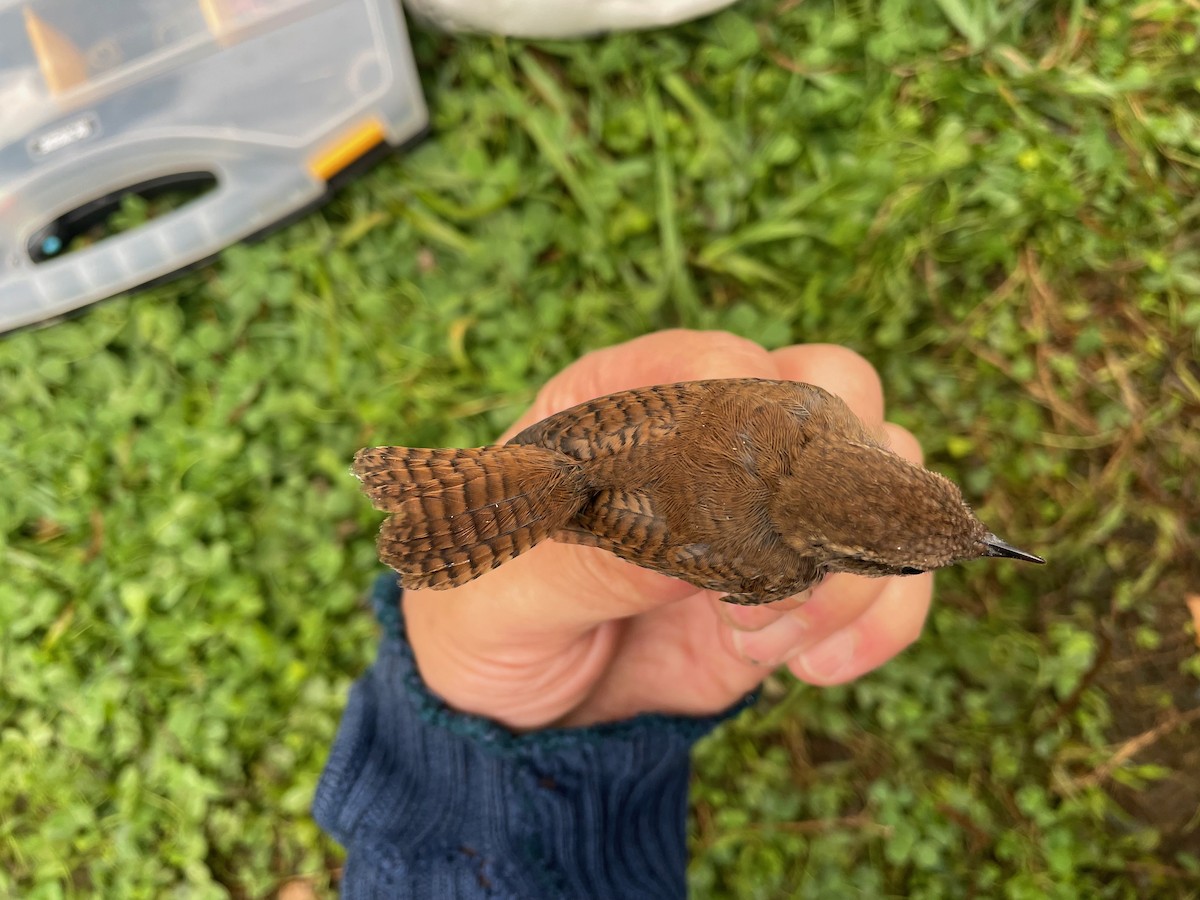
660 358
886 628
836 603
752 618
838 370
652 655
904 443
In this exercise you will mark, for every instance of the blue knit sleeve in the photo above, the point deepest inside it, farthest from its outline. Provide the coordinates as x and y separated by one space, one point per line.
432 803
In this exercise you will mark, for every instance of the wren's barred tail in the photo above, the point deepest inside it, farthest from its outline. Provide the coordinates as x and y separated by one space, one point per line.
459 513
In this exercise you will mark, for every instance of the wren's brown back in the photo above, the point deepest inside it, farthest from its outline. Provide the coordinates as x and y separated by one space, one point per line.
683 474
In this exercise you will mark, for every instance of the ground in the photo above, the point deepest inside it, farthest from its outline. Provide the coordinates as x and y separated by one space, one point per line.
993 202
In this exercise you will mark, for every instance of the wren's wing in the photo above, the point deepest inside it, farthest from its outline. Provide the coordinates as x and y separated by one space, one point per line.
616 422
625 523
620 521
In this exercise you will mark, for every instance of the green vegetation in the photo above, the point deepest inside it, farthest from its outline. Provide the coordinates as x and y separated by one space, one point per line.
995 202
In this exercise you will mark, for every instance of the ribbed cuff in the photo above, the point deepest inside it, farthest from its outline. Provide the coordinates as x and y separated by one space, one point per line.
429 802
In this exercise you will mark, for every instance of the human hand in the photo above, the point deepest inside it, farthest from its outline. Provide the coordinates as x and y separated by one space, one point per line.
566 635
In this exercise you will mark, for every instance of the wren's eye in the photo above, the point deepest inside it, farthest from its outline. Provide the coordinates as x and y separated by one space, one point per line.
911 570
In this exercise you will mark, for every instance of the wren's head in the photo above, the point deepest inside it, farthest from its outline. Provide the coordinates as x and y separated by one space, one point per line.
860 508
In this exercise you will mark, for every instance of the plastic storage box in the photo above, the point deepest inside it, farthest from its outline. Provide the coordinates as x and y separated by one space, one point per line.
263 101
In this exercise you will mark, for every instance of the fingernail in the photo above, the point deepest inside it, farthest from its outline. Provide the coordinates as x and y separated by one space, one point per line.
832 658
746 618
775 644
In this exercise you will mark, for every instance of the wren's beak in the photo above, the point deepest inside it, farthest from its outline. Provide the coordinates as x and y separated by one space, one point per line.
997 547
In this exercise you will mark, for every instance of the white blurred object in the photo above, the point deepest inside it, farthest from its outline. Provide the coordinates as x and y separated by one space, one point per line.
22 105
559 18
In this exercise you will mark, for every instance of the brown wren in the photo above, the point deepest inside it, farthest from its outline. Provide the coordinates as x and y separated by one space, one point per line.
750 487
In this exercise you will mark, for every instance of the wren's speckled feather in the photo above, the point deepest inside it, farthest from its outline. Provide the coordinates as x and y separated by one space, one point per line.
753 488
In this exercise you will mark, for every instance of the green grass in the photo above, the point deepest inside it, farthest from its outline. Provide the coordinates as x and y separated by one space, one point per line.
995 202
